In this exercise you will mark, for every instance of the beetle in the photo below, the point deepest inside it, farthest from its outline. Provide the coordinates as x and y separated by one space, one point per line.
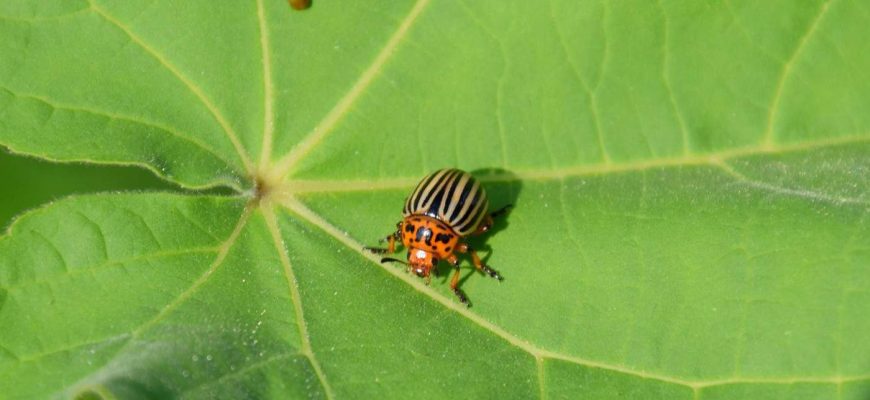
445 207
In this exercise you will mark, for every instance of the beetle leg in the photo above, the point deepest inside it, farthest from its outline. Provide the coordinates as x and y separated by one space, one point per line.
464 248
455 281
434 269
486 224
500 211
391 244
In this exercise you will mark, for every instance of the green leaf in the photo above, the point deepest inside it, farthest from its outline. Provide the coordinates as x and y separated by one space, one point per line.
689 181
36 182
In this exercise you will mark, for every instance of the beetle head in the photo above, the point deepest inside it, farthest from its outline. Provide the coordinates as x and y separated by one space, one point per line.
421 261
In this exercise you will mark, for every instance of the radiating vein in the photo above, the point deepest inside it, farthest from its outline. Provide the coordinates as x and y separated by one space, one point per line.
786 72
268 90
711 159
341 108
666 78
113 116
500 83
293 284
299 209
223 249
228 130
38 356
304 212
590 92
110 263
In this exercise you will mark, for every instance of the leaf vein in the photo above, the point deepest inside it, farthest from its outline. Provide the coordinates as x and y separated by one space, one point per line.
228 130
119 117
499 92
223 250
768 137
240 372
326 125
666 78
38 356
296 207
590 92
304 212
710 159
110 263
54 249
295 296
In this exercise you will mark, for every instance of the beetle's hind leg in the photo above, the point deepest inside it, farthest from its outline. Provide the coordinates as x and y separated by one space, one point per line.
391 240
475 259
500 211
488 219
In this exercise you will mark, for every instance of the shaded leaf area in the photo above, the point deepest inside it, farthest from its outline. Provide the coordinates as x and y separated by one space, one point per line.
30 182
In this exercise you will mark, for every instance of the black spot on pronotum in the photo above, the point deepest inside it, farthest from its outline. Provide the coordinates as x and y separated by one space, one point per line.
409 228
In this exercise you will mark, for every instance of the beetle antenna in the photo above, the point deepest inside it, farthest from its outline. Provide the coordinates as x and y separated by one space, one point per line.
390 259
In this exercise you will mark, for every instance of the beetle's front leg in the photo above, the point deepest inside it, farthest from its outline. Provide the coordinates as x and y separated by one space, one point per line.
454 282
464 248
391 240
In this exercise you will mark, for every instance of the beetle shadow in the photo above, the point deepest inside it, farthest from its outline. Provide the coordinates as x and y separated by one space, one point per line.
503 188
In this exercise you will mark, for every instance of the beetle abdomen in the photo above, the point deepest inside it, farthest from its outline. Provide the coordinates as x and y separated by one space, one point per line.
452 196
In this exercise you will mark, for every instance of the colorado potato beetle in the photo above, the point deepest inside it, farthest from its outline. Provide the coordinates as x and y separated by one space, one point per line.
446 206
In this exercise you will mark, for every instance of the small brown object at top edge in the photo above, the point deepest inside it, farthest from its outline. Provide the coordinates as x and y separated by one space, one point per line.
300 4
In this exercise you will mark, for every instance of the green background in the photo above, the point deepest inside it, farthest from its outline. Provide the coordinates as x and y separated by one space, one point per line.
689 181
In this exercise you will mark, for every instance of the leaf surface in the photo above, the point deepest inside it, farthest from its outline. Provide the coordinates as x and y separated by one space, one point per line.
689 181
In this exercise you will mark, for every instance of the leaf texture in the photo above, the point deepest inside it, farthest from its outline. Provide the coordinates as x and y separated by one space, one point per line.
689 181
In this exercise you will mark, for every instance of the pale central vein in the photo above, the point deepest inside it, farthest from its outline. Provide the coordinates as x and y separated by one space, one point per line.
285 164
228 130
295 296
268 90
712 159
295 206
